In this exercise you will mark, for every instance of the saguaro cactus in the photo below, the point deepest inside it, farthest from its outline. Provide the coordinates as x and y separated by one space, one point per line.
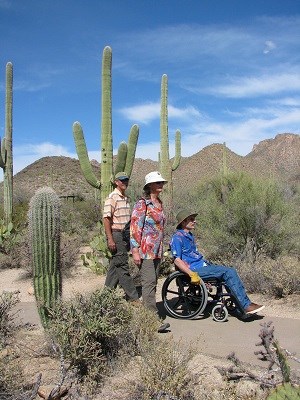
6 154
126 153
166 167
44 232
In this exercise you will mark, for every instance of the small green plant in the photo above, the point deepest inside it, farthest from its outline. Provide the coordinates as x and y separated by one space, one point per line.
97 260
8 237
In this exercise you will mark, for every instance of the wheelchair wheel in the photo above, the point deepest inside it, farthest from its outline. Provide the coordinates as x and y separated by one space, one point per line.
220 313
182 299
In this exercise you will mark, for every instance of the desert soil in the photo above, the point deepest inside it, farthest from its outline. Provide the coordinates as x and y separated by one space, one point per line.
32 348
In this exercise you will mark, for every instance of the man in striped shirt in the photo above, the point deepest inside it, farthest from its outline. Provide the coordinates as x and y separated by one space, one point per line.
116 214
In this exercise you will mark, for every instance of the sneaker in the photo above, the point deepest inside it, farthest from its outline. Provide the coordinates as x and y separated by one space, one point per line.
253 308
163 327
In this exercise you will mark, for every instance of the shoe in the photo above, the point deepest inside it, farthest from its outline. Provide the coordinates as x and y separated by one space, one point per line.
253 308
195 278
163 327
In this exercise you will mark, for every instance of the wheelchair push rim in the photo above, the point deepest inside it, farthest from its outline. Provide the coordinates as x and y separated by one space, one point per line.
182 299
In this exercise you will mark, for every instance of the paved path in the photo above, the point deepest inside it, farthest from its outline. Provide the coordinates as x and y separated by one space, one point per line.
216 338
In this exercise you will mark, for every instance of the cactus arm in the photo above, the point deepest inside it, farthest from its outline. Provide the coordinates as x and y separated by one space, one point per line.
121 157
177 158
2 153
132 143
83 156
44 233
106 129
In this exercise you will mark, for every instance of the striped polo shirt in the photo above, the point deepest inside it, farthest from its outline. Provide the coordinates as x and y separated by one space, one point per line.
117 206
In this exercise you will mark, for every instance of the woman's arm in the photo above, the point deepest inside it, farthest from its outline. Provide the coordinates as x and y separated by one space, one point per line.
137 222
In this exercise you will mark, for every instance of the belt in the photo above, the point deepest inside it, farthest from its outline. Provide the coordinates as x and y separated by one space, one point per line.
116 230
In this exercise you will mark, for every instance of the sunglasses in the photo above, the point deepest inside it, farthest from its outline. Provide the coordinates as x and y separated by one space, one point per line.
160 183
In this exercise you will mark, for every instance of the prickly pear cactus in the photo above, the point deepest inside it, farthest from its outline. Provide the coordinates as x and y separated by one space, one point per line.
44 233
285 392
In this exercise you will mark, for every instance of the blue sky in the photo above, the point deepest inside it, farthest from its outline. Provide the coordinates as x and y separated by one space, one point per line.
233 69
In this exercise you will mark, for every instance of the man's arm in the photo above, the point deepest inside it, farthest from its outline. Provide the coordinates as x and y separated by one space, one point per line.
107 222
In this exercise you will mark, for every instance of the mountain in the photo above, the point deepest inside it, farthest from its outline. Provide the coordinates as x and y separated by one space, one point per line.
278 157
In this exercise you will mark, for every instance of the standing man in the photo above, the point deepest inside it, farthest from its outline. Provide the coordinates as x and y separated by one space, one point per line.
116 214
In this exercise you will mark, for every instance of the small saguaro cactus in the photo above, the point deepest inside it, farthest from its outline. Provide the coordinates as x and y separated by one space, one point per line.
44 233
6 154
166 167
126 153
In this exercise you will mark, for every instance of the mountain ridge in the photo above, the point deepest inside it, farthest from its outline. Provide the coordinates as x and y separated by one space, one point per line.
278 157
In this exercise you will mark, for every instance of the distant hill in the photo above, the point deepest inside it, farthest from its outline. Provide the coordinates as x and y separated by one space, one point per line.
278 158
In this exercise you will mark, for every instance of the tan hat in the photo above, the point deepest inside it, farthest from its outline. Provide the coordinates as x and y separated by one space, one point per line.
152 177
121 176
182 215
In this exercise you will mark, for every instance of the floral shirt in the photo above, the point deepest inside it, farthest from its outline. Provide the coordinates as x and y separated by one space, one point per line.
147 229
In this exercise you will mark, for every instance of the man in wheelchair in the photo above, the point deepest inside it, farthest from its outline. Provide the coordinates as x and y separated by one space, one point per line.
190 261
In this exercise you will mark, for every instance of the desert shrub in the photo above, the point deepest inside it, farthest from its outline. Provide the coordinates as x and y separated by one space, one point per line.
68 253
91 331
164 373
279 278
10 378
243 216
80 218
7 324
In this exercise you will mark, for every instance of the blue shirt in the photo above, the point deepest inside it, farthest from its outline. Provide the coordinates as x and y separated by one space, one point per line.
183 246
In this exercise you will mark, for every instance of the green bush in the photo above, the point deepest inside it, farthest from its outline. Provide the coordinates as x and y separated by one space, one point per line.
242 216
91 330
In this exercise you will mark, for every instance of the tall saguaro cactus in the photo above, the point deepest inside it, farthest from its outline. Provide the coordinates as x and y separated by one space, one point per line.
166 167
6 153
126 153
44 232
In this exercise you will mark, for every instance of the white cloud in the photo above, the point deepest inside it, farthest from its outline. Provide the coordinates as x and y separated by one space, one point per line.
257 86
269 46
145 113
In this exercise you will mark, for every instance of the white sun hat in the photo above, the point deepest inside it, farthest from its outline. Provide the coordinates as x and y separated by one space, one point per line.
152 177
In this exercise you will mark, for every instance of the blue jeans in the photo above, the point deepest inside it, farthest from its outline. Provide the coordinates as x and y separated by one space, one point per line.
228 275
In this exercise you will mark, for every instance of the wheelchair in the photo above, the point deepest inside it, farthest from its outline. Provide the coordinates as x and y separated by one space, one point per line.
184 300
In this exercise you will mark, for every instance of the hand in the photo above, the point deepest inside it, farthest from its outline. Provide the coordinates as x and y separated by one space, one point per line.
111 245
195 278
136 257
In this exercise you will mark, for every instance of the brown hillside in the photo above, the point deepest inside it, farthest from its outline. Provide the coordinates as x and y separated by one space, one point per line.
278 157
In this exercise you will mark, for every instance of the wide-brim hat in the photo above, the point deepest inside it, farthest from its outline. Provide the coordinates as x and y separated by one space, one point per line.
182 215
121 176
152 177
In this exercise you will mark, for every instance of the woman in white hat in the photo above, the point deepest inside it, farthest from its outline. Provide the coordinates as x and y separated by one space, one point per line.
146 237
